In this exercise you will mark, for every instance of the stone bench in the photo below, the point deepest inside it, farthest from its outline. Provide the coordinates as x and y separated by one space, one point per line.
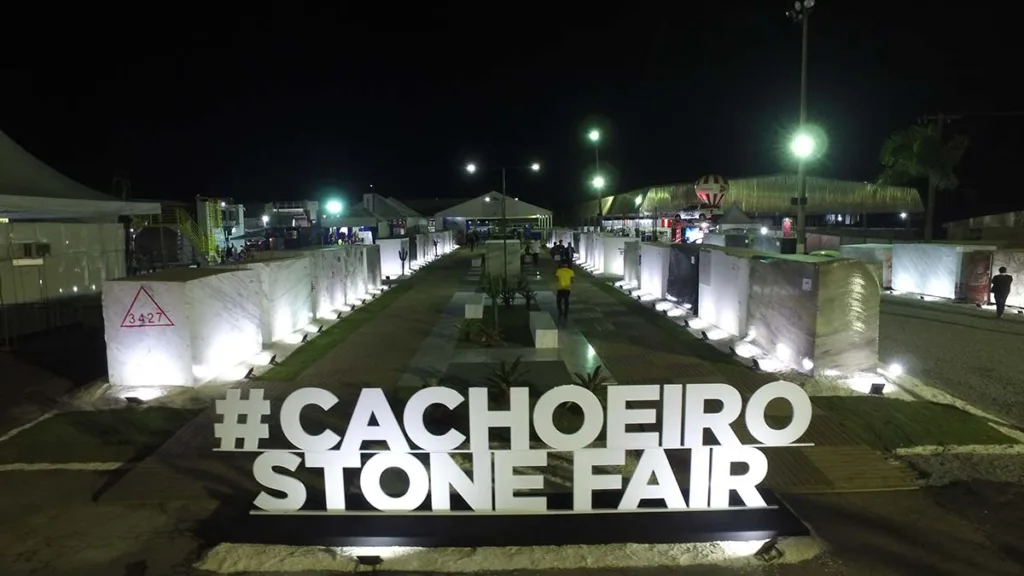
545 333
475 306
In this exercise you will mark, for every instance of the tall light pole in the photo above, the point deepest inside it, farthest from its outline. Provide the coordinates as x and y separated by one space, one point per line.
595 136
801 14
534 167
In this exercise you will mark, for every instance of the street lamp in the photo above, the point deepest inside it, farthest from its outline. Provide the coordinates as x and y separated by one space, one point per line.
803 146
595 136
534 167
265 219
801 14
334 207
598 183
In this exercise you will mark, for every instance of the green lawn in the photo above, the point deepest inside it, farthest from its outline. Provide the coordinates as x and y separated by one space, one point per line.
305 355
514 323
99 436
679 336
888 424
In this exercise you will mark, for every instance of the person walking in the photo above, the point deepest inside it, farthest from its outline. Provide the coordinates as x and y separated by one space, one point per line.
564 274
535 251
1001 290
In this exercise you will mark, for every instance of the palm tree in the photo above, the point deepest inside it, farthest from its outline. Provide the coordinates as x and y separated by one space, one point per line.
920 153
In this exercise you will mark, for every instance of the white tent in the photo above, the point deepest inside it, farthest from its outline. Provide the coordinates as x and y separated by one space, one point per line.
29 189
488 207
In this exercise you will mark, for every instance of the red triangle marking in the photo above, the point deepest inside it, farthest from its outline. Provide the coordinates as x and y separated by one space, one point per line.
148 314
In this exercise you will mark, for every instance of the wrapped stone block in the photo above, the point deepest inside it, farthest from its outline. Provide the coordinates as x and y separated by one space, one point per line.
631 262
932 269
614 255
879 255
371 258
816 314
285 299
684 274
180 327
654 260
724 277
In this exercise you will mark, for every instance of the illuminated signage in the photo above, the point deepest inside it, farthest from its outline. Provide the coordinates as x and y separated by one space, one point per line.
499 476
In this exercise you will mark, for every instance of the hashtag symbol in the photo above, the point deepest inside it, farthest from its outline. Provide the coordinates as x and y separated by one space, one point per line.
231 429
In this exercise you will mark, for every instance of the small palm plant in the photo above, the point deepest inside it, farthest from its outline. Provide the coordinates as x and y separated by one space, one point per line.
505 377
528 293
488 335
403 254
508 291
467 329
594 381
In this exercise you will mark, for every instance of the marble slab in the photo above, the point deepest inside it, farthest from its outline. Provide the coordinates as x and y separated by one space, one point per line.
1013 261
180 327
654 259
724 290
684 274
371 256
614 255
353 262
391 265
424 248
877 254
815 315
930 269
327 284
545 332
494 260
631 262
285 300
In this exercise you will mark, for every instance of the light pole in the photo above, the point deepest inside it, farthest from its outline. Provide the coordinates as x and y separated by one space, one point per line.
595 136
801 14
534 167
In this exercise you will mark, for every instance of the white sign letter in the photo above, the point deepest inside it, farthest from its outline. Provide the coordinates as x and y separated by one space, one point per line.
506 482
653 461
334 464
544 411
419 482
584 481
671 415
722 480
294 490
446 474
700 476
758 403
619 416
291 419
373 403
413 419
482 419
697 420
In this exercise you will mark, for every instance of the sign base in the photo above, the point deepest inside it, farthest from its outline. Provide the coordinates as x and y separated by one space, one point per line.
559 525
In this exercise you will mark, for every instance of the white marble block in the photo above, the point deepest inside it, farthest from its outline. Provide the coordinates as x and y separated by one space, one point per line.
476 262
424 248
631 262
877 254
286 302
180 327
475 306
1013 261
390 263
614 255
654 260
494 260
724 288
930 269
545 332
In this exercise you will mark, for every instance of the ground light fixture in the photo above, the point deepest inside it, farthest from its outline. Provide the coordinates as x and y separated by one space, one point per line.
273 360
895 369
877 389
320 329
250 373
769 552
372 561
305 338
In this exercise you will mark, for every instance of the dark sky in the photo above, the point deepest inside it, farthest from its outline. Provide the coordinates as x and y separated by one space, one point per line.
241 100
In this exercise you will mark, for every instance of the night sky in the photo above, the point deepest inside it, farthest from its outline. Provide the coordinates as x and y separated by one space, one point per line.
265 104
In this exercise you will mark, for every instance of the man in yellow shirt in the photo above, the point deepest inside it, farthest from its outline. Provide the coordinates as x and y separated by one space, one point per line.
564 274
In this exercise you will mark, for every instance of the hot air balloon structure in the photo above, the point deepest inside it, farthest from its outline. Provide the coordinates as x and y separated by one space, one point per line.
711 190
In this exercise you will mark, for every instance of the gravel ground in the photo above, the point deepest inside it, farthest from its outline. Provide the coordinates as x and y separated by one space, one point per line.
962 351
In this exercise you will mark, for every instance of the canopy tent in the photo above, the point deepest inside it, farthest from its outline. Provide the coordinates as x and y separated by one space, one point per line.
353 217
31 190
488 207
734 217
